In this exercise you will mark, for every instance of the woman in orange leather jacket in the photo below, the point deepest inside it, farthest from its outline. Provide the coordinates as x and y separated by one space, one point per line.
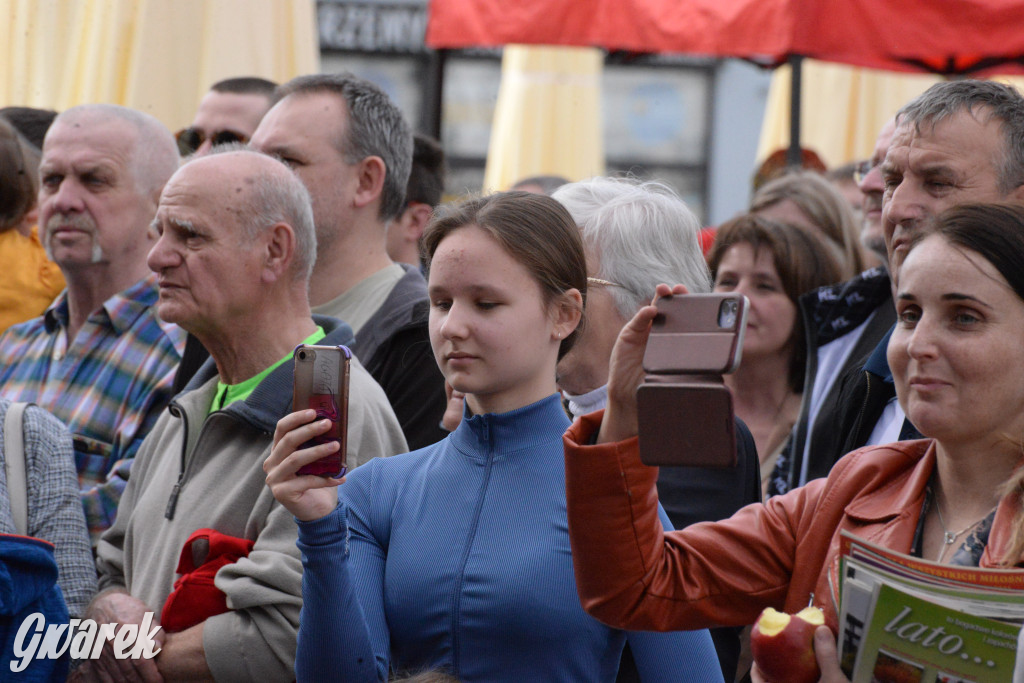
954 498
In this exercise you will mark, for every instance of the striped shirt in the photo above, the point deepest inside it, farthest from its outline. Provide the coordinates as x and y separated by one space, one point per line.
109 386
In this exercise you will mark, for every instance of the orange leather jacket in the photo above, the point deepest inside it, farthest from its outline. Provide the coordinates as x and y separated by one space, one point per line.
632 575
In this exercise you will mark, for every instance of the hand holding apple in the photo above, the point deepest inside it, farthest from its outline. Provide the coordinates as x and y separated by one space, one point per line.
783 645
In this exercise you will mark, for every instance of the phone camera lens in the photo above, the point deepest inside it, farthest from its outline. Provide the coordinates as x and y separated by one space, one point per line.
727 314
302 355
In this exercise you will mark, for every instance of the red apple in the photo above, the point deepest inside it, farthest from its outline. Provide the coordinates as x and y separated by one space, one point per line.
783 645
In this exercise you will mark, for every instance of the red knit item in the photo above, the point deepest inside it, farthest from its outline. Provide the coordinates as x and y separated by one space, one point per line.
195 598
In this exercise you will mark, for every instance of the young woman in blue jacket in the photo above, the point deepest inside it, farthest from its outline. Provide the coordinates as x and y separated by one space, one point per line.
456 557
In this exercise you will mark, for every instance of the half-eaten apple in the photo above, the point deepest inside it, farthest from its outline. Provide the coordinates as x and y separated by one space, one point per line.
783 645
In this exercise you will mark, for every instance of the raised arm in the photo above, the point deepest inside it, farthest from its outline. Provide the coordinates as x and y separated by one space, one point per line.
334 637
629 572
334 641
626 371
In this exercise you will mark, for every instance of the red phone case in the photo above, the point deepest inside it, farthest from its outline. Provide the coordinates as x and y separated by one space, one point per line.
321 382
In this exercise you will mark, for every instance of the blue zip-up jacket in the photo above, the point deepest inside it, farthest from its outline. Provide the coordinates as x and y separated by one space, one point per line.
459 559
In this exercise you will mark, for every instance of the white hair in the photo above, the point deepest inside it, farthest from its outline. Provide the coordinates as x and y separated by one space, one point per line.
643 233
154 151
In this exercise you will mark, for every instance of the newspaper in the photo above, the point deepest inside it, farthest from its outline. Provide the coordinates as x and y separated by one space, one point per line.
907 620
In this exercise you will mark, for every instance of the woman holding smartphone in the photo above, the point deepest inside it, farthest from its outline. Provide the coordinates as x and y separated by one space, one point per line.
456 557
953 498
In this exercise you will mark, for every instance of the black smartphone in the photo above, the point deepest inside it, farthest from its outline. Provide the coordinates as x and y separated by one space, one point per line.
321 382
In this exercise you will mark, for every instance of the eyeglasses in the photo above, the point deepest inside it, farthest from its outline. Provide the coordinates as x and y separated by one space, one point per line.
191 139
861 170
606 283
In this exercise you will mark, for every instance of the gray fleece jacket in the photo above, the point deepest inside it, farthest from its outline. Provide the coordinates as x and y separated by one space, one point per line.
195 471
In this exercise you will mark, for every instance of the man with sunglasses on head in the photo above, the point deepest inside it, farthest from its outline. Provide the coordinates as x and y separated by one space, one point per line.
228 113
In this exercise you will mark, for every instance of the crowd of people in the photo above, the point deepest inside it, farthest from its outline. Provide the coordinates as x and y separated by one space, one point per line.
496 521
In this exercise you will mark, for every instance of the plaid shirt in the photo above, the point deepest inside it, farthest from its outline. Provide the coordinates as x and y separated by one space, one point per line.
108 387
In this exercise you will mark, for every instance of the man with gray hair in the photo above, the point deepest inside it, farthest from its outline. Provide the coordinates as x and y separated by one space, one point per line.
351 146
98 358
960 142
235 247
637 235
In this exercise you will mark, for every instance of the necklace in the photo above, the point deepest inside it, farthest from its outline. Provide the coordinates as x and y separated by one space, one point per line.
949 537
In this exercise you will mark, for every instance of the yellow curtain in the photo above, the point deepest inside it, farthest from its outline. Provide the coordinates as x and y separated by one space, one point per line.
548 116
842 108
159 56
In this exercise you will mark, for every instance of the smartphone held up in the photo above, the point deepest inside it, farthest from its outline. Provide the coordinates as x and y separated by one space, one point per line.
321 383
685 411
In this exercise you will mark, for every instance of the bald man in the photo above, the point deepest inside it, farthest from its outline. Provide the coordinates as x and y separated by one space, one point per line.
234 253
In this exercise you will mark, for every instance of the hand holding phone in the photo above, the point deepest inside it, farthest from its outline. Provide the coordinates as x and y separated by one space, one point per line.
321 382
307 498
684 410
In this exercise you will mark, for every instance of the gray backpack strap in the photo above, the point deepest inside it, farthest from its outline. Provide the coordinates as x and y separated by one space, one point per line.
14 465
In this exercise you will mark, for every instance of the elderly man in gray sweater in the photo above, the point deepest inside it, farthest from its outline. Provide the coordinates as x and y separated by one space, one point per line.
235 246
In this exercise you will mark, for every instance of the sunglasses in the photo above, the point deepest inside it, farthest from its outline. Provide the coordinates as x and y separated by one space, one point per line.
191 139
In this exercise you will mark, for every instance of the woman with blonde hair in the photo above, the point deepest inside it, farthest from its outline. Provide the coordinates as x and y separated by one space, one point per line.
957 360
806 199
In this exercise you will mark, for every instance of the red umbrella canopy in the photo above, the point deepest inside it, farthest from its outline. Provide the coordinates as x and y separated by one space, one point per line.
941 36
